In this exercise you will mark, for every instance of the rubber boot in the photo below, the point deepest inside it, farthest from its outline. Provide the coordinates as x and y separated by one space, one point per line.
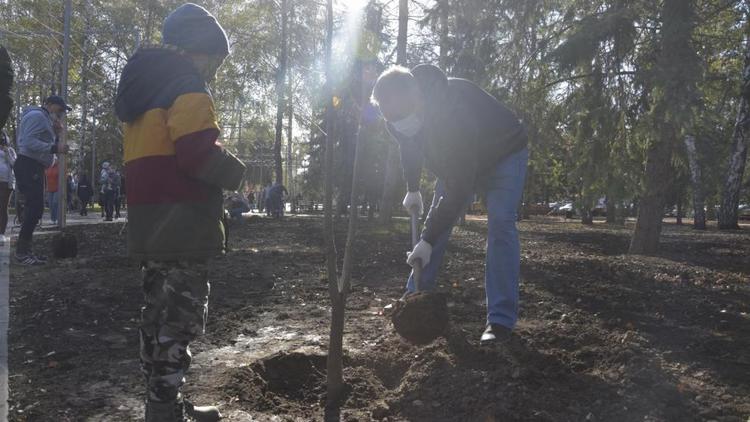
202 413
169 411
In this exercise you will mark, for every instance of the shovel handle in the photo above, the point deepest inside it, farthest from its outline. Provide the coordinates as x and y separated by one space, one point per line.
417 269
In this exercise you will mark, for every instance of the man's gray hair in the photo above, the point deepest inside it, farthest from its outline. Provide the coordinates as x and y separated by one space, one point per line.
396 80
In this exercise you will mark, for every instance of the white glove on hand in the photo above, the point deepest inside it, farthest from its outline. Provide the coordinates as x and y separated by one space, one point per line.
421 252
413 200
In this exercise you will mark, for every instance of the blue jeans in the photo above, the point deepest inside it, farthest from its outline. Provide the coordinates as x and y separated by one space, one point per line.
503 260
52 198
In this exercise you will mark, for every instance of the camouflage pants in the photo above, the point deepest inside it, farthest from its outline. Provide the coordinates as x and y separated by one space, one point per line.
176 296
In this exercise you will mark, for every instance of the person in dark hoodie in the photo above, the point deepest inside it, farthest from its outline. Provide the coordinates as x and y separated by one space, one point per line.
472 143
175 172
85 193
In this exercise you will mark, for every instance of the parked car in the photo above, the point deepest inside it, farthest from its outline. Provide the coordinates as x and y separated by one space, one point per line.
744 212
562 208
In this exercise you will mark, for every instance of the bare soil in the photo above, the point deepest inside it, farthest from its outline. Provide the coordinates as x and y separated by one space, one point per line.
603 336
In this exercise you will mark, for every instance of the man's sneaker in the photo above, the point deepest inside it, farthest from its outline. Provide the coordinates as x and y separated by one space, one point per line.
3 239
495 334
42 258
29 260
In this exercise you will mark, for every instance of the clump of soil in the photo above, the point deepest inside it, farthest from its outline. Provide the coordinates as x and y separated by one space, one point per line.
421 317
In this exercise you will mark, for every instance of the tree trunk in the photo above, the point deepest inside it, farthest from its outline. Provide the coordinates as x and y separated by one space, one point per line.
699 212
85 90
392 165
730 198
645 239
676 66
587 217
611 211
334 362
280 104
290 107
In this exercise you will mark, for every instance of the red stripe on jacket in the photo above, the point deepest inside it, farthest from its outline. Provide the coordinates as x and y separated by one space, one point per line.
160 179
157 180
194 149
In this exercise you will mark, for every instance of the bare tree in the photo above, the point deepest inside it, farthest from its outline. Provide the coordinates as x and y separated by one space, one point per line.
699 198
730 198
280 79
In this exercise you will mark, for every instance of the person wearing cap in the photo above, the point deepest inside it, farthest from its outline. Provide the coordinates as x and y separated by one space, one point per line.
174 173
472 143
38 143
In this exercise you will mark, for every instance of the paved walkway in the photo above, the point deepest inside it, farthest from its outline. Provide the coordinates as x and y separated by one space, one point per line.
73 219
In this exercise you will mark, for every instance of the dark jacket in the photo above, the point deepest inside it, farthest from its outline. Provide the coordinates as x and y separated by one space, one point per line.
6 84
465 134
85 191
175 171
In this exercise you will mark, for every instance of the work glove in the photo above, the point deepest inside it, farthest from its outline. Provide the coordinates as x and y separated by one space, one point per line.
413 200
421 252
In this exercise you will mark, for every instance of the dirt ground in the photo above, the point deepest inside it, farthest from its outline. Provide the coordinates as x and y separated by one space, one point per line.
603 336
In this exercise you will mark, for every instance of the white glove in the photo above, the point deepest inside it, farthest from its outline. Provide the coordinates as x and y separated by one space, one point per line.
413 200
421 252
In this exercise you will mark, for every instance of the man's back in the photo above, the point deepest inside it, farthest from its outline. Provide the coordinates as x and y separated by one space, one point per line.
36 135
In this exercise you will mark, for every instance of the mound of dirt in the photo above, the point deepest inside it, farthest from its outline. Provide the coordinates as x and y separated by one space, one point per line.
421 317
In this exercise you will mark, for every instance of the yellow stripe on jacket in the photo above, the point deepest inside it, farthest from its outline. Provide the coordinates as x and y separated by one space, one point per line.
156 131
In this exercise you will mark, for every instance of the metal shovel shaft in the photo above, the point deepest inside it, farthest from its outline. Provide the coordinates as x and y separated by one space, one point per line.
417 269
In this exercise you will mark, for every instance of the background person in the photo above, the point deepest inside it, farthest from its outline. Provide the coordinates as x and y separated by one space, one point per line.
37 145
107 191
85 192
7 182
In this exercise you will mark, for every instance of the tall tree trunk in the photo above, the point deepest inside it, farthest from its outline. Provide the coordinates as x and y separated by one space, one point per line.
676 66
334 362
280 103
444 33
699 212
651 208
730 198
149 21
85 90
392 165
611 198
290 104
611 211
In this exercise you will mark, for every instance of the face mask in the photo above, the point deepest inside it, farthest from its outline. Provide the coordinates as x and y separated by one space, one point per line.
408 126
56 116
